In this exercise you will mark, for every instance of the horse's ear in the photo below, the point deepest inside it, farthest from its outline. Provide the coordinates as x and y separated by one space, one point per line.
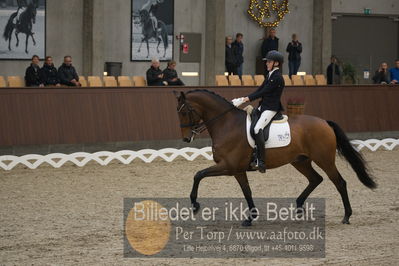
182 95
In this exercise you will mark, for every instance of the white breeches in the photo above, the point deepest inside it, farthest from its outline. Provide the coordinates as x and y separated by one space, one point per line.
154 21
265 118
16 19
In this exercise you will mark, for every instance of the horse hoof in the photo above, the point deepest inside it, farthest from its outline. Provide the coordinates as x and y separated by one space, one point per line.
345 220
196 206
246 223
300 212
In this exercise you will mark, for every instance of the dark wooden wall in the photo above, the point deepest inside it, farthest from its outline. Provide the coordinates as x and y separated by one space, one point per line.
97 115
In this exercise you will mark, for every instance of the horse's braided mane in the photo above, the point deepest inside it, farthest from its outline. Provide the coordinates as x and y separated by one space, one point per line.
211 92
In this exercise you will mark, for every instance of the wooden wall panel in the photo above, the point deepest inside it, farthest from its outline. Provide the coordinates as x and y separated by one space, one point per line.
96 115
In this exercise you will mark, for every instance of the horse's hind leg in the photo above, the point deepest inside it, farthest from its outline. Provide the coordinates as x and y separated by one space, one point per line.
305 167
331 170
340 184
242 179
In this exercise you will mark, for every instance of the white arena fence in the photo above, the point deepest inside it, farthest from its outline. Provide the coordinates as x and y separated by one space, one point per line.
56 160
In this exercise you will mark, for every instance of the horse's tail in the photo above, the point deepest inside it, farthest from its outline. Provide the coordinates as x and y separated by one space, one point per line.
354 158
9 27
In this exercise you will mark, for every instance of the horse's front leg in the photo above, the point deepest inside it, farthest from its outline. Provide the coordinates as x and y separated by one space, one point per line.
244 184
159 42
148 48
33 38
216 170
26 43
16 36
9 41
142 40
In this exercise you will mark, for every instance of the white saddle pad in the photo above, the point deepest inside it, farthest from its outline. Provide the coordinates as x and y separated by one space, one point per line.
279 135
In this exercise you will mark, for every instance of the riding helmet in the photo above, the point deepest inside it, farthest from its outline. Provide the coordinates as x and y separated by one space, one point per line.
274 56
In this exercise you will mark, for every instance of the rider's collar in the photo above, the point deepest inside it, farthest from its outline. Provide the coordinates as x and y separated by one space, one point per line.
271 72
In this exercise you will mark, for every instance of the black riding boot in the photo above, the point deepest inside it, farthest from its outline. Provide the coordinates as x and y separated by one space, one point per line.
260 151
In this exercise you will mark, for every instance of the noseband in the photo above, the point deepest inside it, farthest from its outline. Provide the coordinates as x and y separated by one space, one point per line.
197 129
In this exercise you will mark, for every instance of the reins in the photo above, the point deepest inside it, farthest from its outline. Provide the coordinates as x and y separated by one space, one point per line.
199 128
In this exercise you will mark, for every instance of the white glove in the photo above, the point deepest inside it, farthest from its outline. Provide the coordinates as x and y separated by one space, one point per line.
238 101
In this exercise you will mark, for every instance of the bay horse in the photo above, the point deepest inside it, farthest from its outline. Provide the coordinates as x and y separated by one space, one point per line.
149 32
24 25
313 139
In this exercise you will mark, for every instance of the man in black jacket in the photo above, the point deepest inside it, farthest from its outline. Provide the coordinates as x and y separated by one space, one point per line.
49 73
154 74
32 73
294 50
270 93
269 44
231 57
67 73
333 72
239 46
170 75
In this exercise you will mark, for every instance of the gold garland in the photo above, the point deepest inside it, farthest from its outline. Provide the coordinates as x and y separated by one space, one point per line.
264 12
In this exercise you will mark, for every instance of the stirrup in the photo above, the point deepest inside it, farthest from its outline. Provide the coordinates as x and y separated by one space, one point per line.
261 169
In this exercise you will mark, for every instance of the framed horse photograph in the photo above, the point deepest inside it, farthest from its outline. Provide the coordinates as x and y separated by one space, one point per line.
152 30
22 29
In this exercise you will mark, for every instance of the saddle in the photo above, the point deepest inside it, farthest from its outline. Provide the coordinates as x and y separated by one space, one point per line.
255 115
277 134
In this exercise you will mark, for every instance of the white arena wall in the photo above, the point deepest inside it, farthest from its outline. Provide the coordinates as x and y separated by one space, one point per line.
57 160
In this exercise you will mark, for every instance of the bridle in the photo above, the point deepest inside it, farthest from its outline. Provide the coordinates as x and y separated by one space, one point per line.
197 129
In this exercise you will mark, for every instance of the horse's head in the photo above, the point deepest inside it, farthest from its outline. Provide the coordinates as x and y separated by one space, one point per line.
190 119
144 15
32 9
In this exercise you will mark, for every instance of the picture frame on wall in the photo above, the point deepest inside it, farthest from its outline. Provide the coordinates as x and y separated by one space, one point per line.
22 29
152 33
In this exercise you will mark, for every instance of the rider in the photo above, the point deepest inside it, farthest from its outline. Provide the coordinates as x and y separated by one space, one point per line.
270 93
22 4
151 6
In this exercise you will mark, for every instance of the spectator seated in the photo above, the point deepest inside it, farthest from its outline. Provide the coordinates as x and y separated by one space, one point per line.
170 75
